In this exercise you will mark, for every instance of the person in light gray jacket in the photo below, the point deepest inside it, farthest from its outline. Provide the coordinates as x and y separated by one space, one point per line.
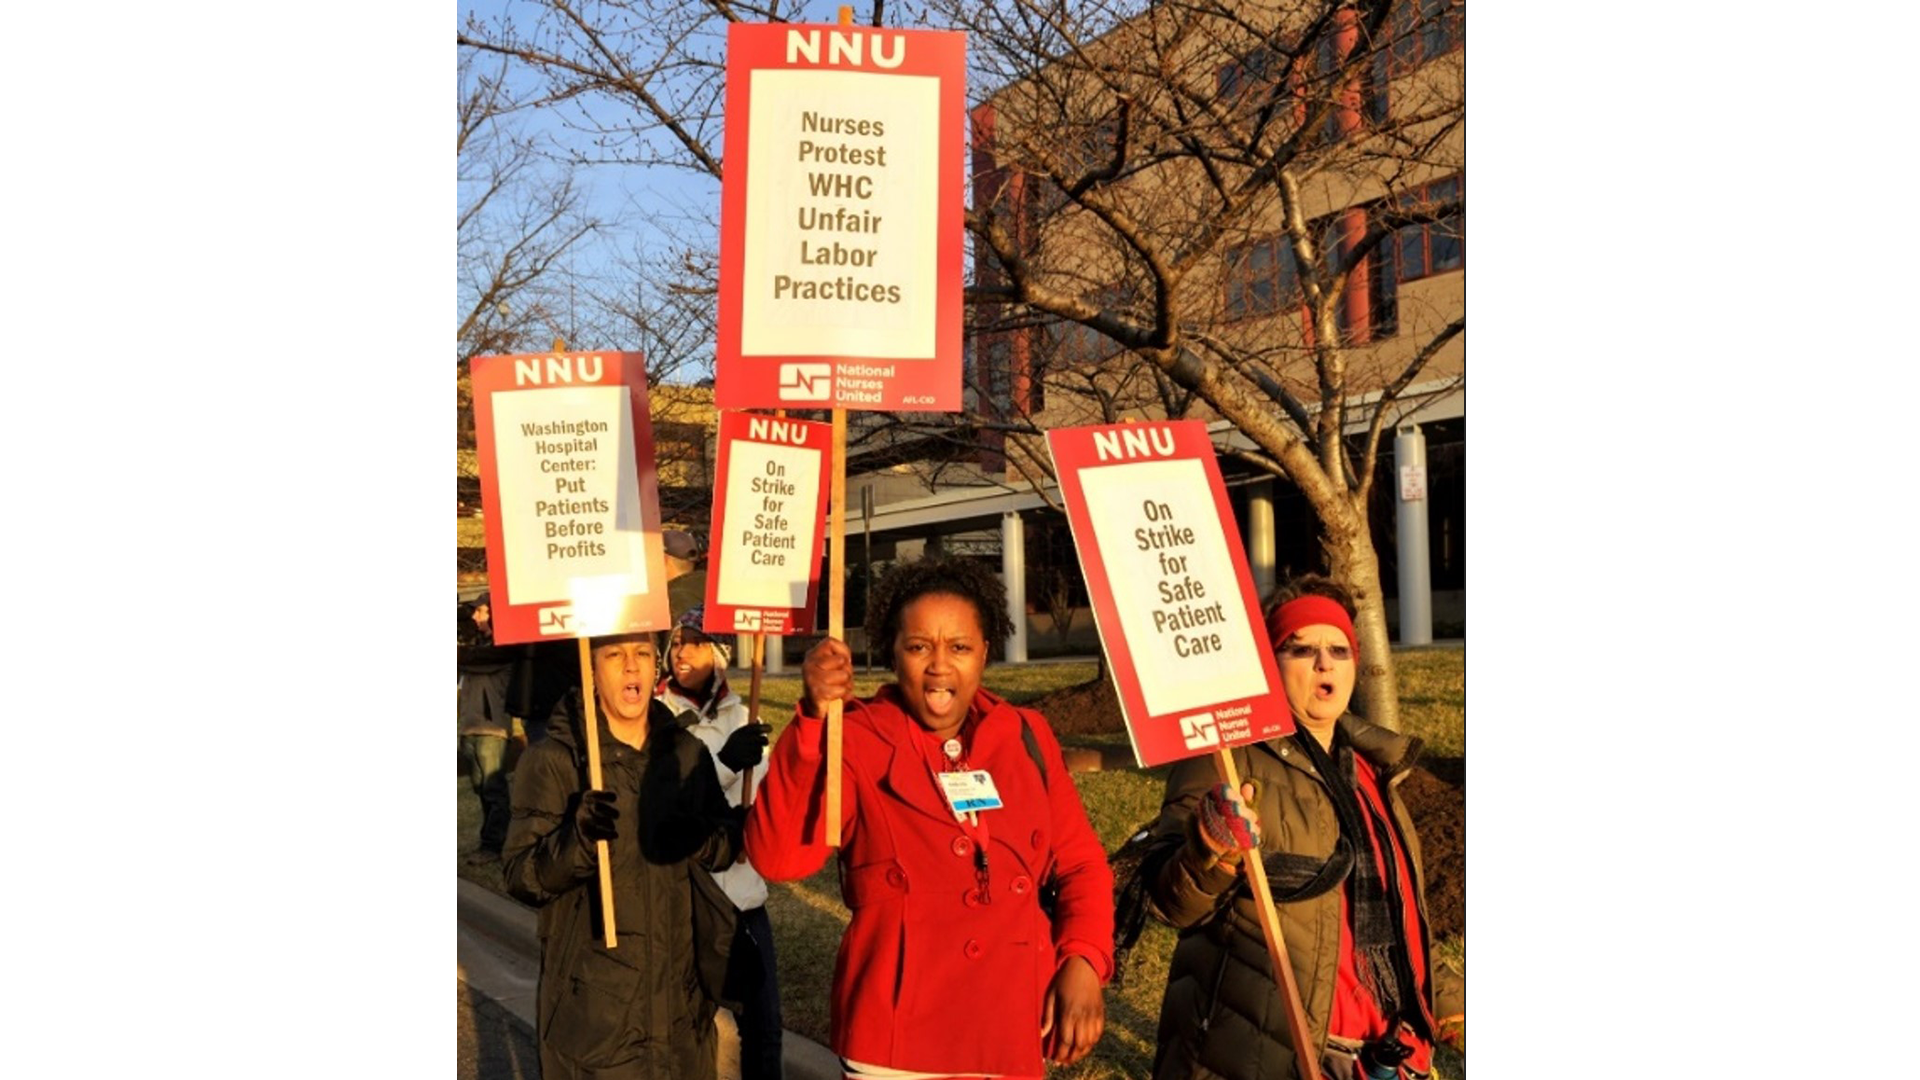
695 688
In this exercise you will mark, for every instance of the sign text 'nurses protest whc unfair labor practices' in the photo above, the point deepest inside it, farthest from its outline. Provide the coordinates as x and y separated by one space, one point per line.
769 524
841 231
569 488
1171 592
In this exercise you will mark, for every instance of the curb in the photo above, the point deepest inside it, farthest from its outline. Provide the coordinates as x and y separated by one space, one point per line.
514 928
507 921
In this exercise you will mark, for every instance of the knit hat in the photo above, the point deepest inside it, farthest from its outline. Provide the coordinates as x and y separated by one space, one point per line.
680 544
689 621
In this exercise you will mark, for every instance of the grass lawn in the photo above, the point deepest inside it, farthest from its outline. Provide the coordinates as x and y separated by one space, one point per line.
809 918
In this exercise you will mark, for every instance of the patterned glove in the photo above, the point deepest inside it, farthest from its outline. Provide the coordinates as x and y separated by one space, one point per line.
1228 822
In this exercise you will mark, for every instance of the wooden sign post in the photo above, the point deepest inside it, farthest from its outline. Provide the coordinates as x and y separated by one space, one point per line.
589 700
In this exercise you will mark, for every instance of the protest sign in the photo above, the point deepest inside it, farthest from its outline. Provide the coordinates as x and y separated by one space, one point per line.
1171 592
570 493
841 227
768 526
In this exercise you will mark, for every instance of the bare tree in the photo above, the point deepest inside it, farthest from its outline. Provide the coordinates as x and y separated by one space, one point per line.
517 220
1194 209
1219 193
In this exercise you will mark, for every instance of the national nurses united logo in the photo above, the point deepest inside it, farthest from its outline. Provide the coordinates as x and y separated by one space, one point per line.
806 382
746 620
556 620
1199 730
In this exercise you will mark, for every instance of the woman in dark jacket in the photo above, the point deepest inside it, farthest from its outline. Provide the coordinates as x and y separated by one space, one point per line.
1343 863
639 1009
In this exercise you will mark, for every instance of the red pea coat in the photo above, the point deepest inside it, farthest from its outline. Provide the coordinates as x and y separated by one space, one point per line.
929 977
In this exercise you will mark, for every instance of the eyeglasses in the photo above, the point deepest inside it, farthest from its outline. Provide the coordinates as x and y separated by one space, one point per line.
1297 651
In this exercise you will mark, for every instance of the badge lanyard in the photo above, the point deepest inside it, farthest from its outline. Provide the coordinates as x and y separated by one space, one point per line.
968 821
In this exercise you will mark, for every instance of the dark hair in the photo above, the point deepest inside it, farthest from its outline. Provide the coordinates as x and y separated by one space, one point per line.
1310 585
652 637
903 583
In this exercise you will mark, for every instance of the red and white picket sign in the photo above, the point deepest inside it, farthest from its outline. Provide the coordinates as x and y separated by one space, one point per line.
841 228
571 495
769 524
1172 595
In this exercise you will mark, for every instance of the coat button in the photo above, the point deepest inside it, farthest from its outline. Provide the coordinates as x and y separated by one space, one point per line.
971 898
962 846
1021 884
895 878
973 949
1038 839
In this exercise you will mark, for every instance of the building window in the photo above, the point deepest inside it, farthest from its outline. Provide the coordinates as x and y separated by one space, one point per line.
1256 70
1261 278
1370 308
1424 250
1073 343
999 365
1369 86
1424 29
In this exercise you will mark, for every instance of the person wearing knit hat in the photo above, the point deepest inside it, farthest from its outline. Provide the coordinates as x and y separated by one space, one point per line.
695 688
1322 808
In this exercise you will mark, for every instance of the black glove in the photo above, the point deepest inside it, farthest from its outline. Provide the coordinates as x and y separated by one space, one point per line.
1382 1058
595 818
745 747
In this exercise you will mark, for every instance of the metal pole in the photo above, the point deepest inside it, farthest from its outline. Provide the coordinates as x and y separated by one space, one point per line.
1260 537
1416 582
1013 570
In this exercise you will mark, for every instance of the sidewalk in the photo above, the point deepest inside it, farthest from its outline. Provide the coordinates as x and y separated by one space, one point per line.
499 956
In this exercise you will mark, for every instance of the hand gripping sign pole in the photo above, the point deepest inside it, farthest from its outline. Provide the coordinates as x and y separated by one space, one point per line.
588 697
588 700
837 598
837 584
1168 580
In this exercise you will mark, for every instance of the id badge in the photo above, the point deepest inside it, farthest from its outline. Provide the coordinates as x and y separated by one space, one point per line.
969 792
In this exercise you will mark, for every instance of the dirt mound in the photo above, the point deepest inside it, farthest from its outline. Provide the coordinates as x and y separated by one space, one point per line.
1435 793
1439 812
1091 708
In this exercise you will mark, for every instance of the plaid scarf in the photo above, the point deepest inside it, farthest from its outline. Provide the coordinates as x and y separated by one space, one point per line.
1374 909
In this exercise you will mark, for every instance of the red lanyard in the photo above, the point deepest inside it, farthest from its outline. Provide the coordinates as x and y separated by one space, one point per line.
970 823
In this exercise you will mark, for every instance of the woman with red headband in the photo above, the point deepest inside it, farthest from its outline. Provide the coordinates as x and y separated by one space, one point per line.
1343 865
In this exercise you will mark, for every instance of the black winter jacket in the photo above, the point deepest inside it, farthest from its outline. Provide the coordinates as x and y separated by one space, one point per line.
1222 1016
637 1010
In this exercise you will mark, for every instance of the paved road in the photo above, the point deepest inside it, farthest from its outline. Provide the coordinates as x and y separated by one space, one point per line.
498 976
494 1045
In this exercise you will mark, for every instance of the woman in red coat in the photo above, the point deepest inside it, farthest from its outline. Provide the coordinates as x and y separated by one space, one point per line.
950 966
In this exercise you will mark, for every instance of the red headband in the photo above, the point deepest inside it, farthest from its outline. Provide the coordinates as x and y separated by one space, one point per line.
1307 611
